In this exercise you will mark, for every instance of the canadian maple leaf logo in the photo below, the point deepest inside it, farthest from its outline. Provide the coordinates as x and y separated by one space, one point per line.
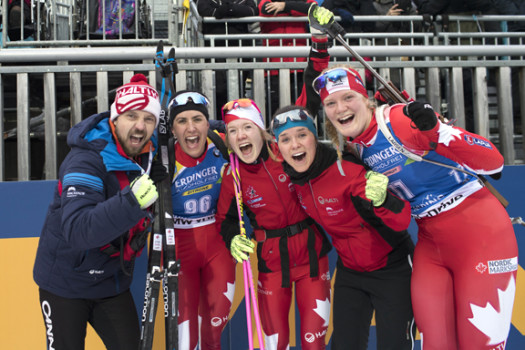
494 324
481 267
323 310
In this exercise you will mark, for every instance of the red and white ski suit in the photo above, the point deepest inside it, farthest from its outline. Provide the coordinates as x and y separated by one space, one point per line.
466 257
290 249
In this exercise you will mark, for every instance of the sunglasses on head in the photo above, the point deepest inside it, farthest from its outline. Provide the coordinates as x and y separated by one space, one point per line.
333 75
293 115
239 103
187 97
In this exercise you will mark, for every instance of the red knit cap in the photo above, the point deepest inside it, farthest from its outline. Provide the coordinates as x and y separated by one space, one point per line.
338 79
136 95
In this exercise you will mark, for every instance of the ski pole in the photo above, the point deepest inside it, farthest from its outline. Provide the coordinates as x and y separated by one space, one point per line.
249 290
335 31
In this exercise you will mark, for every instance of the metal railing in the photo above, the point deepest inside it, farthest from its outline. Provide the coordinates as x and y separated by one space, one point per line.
42 99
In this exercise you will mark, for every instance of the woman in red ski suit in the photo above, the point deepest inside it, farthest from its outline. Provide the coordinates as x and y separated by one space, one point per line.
368 229
291 247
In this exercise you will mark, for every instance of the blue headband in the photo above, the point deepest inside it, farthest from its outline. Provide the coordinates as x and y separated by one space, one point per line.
291 119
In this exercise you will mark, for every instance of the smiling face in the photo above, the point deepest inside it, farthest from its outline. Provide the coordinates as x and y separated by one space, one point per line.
298 146
245 139
134 129
191 129
348 111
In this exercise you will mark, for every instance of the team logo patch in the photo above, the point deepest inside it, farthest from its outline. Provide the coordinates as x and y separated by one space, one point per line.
503 266
474 141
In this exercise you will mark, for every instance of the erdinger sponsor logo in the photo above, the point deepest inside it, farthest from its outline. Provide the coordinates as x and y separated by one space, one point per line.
195 178
46 310
474 141
502 266
323 200
217 321
311 337
380 156
72 192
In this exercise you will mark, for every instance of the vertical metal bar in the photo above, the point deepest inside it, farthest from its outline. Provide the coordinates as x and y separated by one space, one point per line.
284 88
505 116
259 91
434 93
522 106
23 141
180 80
208 88
126 76
457 98
232 76
102 92
409 81
481 102
50 127
75 97
2 148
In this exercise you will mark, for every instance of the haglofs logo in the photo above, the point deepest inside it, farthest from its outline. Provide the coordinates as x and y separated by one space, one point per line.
309 337
217 321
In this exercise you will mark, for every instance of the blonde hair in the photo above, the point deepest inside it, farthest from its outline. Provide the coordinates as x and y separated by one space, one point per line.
267 138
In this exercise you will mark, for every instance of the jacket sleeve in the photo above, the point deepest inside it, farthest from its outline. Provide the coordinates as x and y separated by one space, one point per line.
470 150
89 218
244 8
207 8
317 61
392 215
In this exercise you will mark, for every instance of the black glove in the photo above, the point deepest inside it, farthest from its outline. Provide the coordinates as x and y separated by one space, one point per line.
422 114
222 11
158 171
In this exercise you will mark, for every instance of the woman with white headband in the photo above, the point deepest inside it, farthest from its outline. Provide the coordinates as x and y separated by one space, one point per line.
291 248
367 225
466 257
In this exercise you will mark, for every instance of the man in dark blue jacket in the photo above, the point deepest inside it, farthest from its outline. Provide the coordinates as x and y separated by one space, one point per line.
98 222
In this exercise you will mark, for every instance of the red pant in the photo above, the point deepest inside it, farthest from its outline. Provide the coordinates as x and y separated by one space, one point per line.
464 276
206 286
313 300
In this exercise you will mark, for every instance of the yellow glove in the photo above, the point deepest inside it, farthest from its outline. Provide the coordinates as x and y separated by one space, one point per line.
144 190
376 187
320 15
240 246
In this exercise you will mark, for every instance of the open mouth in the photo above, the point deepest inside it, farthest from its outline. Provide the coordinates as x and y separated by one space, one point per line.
346 120
136 139
245 148
192 140
299 156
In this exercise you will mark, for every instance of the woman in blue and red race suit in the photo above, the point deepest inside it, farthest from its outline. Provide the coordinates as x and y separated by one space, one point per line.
291 248
207 270
466 257
368 229
98 222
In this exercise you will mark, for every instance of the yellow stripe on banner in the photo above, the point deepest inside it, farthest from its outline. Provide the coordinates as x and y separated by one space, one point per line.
19 301
518 313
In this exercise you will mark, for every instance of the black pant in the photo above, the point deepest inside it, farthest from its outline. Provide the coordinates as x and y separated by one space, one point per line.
114 319
357 294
